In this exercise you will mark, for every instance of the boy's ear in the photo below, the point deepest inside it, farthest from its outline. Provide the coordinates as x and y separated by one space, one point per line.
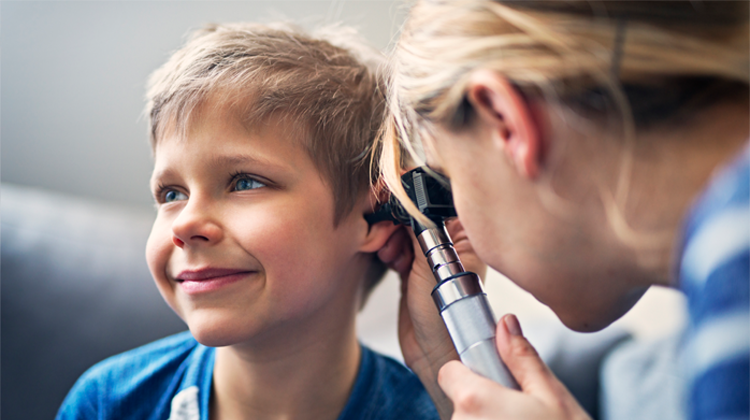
503 109
377 236
377 233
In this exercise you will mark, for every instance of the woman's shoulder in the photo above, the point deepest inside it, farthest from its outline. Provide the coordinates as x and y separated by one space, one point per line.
716 240
728 188
715 276
135 382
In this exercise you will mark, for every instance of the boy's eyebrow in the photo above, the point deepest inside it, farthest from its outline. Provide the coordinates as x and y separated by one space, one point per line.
226 160
242 159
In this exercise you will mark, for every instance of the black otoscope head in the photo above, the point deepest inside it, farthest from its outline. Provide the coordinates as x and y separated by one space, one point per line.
431 195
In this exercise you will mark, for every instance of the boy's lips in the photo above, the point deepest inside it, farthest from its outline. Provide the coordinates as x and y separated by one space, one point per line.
209 273
206 280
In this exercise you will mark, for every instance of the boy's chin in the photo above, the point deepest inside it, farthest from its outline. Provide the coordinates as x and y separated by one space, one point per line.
216 338
211 338
213 334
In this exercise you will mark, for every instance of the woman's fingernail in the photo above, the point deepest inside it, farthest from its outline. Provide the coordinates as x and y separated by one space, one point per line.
511 323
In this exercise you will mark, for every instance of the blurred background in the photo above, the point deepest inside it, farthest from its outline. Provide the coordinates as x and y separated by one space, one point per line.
74 75
75 164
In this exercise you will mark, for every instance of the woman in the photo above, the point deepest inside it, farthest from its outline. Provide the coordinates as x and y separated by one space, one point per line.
594 149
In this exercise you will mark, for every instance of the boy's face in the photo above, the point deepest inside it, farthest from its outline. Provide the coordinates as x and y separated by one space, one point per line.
244 237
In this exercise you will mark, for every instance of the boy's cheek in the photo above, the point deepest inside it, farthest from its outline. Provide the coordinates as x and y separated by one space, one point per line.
274 231
289 242
157 257
157 251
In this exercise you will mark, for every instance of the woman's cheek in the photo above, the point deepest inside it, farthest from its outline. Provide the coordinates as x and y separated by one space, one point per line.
471 223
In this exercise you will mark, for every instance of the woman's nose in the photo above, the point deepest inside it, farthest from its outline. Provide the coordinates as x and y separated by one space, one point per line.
195 225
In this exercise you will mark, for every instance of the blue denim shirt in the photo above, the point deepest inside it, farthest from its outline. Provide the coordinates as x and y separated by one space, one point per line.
171 379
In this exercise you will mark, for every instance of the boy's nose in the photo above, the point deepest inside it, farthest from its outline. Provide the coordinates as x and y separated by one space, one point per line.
195 226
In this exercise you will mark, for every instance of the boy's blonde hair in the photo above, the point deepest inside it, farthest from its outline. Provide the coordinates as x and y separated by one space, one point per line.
326 86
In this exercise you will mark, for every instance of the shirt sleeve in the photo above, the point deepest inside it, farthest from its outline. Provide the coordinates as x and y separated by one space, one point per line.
82 401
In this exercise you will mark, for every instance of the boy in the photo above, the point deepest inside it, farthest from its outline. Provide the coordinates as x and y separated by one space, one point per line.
260 135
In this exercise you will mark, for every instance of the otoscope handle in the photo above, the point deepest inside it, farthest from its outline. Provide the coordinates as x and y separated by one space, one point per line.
463 305
467 314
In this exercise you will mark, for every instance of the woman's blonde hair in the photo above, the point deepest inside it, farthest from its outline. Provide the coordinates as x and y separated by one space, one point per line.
640 60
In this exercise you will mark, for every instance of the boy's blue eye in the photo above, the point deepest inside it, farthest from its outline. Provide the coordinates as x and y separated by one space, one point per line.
247 184
173 195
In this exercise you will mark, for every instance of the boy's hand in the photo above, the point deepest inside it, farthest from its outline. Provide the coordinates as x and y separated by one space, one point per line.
424 340
543 397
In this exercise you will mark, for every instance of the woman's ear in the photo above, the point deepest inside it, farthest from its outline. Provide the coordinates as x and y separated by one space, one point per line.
501 108
377 233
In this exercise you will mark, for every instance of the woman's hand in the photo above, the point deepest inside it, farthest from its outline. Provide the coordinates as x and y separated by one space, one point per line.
542 397
424 340
427 347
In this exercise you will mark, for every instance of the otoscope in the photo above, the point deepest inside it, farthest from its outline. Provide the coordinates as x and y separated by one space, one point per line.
459 295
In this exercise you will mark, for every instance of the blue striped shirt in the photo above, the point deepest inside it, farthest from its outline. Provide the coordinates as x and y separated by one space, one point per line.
715 276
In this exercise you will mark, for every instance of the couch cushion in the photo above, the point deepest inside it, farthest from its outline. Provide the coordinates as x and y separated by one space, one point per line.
75 289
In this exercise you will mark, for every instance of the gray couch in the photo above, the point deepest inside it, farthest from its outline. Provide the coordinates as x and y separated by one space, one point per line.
75 289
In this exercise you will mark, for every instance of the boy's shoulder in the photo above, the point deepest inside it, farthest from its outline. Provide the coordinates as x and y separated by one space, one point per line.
386 389
144 383
139 383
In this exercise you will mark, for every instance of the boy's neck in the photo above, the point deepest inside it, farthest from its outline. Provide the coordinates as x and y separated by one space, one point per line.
309 376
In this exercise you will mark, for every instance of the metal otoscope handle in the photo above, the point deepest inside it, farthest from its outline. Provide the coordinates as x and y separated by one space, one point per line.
463 306
459 295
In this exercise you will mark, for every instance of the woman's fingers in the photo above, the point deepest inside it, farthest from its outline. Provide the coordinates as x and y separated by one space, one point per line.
464 248
532 374
542 396
522 359
473 396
